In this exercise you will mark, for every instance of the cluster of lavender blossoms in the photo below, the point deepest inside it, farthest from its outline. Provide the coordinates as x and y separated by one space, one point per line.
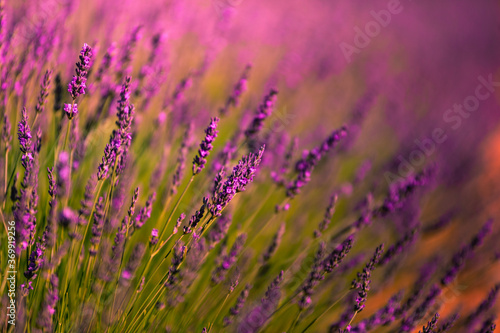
278 226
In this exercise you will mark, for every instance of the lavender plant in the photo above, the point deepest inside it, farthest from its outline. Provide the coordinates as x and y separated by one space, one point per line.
111 233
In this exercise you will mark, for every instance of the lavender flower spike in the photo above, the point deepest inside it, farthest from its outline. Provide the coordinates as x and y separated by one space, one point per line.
240 302
263 112
154 237
409 323
35 261
97 226
179 252
238 90
199 160
145 213
229 259
258 316
310 159
363 281
49 305
132 264
77 86
431 325
274 244
485 305
178 223
458 260
315 276
242 174
327 217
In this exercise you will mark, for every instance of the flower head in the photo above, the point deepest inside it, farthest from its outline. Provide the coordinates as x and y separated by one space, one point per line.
71 110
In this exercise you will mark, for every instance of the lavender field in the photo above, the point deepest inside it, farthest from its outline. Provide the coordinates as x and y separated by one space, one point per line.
249 166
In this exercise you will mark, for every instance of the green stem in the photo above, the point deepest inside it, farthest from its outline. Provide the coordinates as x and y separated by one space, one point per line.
172 213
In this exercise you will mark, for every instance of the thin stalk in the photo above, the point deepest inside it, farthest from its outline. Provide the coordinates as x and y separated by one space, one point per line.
294 322
218 312
326 310
173 211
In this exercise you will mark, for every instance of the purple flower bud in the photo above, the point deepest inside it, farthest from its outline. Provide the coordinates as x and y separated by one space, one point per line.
44 93
25 288
71 110
24 135
382 317
196 218
229 259
431 325
78 84
258 316
263 111
219 230
327 217
145 213
238 90
399 247
97 226
107 61
409 323
68 217
108 160
458 260
274 244
35 261
363 281
304 166
448 323
132 264
178 257
242 174
200 160
125 110
154 237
